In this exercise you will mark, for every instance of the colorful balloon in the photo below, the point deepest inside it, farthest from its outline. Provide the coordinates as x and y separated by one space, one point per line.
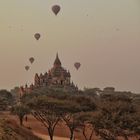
27 68
37 36
31 59
77 65
56 9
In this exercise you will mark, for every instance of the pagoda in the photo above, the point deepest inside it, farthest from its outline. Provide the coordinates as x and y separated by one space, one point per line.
57 76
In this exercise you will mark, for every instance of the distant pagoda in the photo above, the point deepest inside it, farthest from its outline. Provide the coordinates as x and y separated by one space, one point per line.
57 76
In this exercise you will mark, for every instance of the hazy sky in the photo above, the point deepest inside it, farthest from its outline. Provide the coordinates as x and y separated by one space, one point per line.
104 35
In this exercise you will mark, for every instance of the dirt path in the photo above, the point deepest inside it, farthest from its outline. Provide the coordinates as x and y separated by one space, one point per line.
45 137
61 133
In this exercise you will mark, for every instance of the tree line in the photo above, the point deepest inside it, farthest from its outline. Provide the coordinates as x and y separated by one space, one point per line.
107 114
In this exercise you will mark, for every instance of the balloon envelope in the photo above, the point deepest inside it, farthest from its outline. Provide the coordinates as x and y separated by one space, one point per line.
77 65
27 68
37 36
56 9
31 59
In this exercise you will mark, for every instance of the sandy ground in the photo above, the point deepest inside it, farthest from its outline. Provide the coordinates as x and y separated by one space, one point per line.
45 137
61 131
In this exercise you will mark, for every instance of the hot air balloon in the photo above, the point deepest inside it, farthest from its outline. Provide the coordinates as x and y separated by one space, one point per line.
37 36
77 65
56 9
31 59
27 68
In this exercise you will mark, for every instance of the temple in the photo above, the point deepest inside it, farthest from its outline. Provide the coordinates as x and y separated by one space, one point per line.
57 76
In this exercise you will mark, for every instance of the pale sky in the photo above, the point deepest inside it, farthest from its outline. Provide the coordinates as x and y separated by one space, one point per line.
104 35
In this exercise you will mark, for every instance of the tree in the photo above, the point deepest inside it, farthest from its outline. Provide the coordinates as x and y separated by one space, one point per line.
114 117
85 126
6 94
72 110
20 110
6 99
45 110
120 117
72 122
49 120
15 92
92 124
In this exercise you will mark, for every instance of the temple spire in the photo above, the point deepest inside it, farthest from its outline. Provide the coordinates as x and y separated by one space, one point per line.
57 61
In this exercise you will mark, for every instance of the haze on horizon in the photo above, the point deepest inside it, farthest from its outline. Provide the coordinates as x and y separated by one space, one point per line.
104 35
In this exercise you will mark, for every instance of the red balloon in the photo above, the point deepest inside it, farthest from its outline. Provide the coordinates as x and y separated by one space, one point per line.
56 9
77 65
